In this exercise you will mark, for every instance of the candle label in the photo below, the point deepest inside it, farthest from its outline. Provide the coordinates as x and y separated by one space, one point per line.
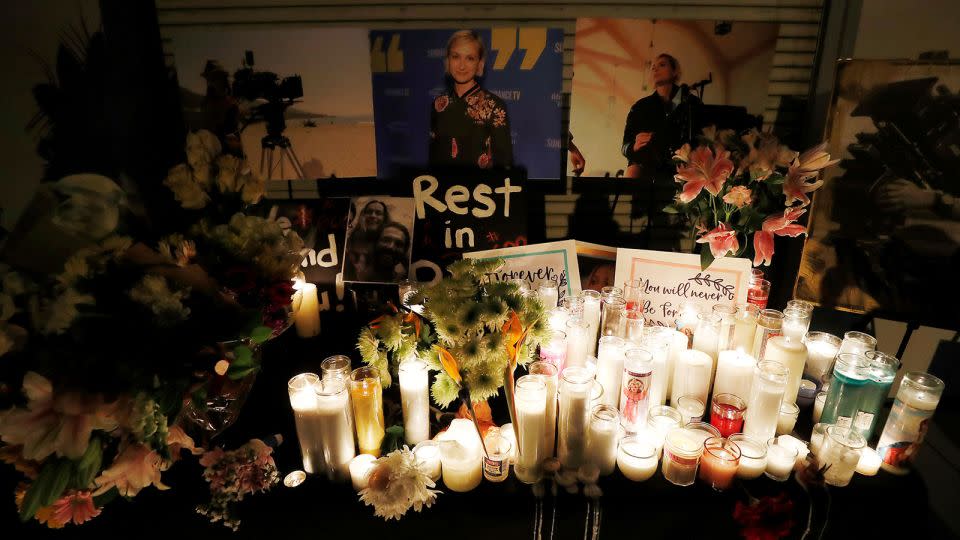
903 434
494 468
844 421
768 333
636 390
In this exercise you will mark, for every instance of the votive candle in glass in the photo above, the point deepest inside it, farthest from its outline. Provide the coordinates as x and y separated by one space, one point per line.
916 401
635 386
591 315
769 323
848 387
759 293
557 318
781 459
529 397
882 372
691 375
728 325
360 468
415 400
428 458
576 383
818 403
338 367
691 408
793 355
857 343
461 455
551 377
869 463
763 409
800 304
796 322
840 453
734 374
788 418
549 294
657 343
610 368
602 438
367 397
554 348
661 419
578 346
681 455
637 458
745 328
321 413
726 413
753 456
496 462
613 317
719 462
822 349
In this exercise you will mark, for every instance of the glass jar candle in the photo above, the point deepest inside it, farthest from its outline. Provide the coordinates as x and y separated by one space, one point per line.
687 317
702 429
661 419
728 324
578 346
631 292
658 345
753 456
529 398
857 343
817 434
496 462
613 317
691 408
916 401
818 403
576 384
719 462
551 377
611 291
336 366
678 344
840 453
734 374
321 414
428 458
602 438
769 324
557 318
549 294
882 372
793 355
461 456
706 337
415 400
759 293
745 328
847 389
869 464
554 348
681 455
691 376
802 305
367 397
781 459
637 458
822 349
788 418
635 325
591 316
635 386
766 395
796 322
573 305
360 468
726 413
610 368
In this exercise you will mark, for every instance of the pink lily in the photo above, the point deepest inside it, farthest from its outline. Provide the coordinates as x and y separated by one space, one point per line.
705 171
796 186
814 160
722 240
776 225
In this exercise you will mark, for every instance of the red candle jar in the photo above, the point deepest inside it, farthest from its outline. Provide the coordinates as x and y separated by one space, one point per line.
726 414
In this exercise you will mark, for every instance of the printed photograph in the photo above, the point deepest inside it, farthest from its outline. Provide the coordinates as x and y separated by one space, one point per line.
379 239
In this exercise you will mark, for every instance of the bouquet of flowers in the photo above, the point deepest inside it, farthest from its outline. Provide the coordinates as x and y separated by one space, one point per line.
737 187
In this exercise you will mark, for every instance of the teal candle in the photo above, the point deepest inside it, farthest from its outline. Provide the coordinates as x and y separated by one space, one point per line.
882 372
847 390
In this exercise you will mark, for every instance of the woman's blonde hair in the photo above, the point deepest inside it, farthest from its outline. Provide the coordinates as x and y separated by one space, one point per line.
466 35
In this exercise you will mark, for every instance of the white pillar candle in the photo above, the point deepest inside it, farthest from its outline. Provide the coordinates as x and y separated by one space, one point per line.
602 438
461 454
322 417
610 368
822 348
734 374
869 462
637 458
360 468
591 315
307 317
793 355
529 399
766 395
415 400
428 458
578 347
691 375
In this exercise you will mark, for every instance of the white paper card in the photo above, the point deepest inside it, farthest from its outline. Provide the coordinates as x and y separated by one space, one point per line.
537 263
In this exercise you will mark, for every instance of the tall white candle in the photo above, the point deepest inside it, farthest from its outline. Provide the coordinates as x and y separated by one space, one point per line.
575 386
734 374
745 327
591 315
321 415
763 409
415 400
678 343
531 392
578 347
307 317
635 387
691 375
610 368
658 344
551 378
602 438
793 355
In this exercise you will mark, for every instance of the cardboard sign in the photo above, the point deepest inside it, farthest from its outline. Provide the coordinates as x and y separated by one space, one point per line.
597 264
537 263
461 214
670 278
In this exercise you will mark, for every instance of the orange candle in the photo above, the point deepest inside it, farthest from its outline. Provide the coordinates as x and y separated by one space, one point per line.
718 464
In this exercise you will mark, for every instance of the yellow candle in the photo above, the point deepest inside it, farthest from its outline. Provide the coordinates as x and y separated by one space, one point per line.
367 397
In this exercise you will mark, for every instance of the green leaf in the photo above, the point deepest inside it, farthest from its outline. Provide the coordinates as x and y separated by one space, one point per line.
243 365
89 465
671 209
260 335
102 500
392 440
706 257
47 488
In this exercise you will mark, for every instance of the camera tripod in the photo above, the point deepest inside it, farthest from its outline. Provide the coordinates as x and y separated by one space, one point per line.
274 150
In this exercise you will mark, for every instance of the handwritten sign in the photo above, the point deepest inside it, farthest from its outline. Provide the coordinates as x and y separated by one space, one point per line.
554 262
666 279
468 212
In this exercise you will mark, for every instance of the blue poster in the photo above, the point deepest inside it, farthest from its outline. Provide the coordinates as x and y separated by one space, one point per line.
523 70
